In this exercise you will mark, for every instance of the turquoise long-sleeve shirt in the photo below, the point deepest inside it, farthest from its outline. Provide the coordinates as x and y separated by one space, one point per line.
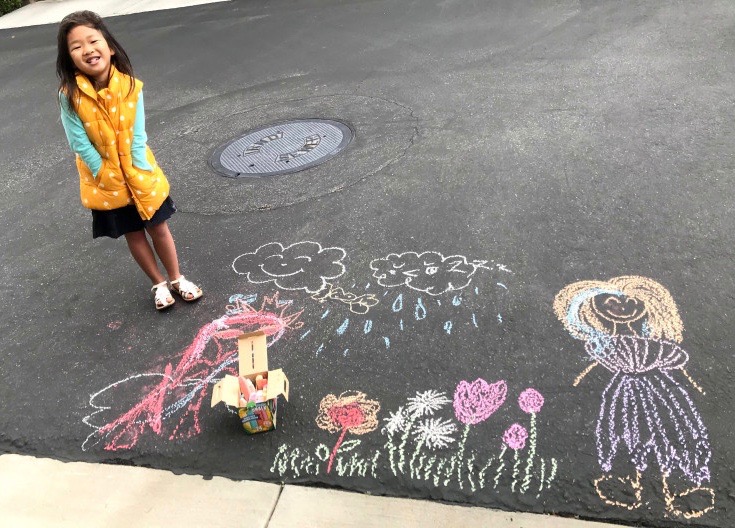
80 143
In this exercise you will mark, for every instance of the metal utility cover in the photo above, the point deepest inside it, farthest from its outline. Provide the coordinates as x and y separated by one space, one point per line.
281 148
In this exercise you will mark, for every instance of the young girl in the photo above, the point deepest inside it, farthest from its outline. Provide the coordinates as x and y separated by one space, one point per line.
104 120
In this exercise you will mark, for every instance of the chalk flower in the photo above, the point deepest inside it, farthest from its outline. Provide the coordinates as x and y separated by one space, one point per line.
475 402
530 401
350 412
435 433
426 403
515 437
396 421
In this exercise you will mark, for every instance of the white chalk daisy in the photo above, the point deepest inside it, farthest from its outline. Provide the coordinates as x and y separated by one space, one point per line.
396 421
426 403
435 433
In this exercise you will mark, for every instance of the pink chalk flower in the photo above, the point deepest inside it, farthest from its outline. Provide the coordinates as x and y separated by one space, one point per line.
530 401
475 402
515 436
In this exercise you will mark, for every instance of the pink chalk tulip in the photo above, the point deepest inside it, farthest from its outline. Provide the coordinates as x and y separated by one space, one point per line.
475 402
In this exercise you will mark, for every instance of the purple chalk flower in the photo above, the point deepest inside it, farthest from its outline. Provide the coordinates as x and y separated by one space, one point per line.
530 401
475 402
515 436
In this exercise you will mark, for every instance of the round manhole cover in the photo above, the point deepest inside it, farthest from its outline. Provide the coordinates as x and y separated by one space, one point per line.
280 148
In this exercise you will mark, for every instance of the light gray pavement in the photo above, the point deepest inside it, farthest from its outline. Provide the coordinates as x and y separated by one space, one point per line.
51 11
42 492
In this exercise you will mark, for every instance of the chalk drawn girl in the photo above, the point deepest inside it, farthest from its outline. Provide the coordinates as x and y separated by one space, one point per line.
103 117
632 328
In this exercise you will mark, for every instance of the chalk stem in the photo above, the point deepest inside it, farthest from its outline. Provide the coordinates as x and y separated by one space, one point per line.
531 454
460 455
336 447
404 440
413 458
500 466
516 466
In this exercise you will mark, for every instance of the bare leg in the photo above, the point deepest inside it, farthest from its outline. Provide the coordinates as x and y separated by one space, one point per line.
163 242
142 252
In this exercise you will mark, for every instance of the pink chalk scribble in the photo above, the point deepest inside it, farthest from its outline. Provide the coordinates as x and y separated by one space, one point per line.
475 402
515 437
530 401
114 325
182 388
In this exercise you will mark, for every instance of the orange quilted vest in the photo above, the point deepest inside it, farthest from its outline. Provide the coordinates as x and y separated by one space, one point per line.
108 117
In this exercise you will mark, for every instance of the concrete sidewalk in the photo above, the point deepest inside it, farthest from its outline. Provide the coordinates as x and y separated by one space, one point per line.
52 11
42 492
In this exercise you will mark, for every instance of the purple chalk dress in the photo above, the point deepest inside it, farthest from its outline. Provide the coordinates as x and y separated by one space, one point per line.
645 411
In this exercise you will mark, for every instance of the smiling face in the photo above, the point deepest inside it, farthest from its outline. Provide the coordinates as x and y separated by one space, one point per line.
91 54
619 308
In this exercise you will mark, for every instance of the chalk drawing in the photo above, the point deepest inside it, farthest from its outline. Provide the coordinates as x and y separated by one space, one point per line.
358 304
398 303
393 318
177 393
428 272
422 441
349 412
311 267
531 402
301 266
474 403
631 327
420 311
343 327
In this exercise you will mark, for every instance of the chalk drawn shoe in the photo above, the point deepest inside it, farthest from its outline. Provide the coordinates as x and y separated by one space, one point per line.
622 492
162 295
187 289
690 503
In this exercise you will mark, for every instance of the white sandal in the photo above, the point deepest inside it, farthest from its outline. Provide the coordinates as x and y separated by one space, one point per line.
163 297
187 289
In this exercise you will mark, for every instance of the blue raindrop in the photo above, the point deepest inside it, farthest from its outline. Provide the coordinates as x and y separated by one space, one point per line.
420 311
343 327
398 303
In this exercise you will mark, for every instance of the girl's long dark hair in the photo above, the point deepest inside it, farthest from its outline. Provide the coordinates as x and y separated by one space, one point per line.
65 69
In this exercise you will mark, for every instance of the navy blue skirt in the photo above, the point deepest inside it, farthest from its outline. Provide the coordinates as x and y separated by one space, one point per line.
117 222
